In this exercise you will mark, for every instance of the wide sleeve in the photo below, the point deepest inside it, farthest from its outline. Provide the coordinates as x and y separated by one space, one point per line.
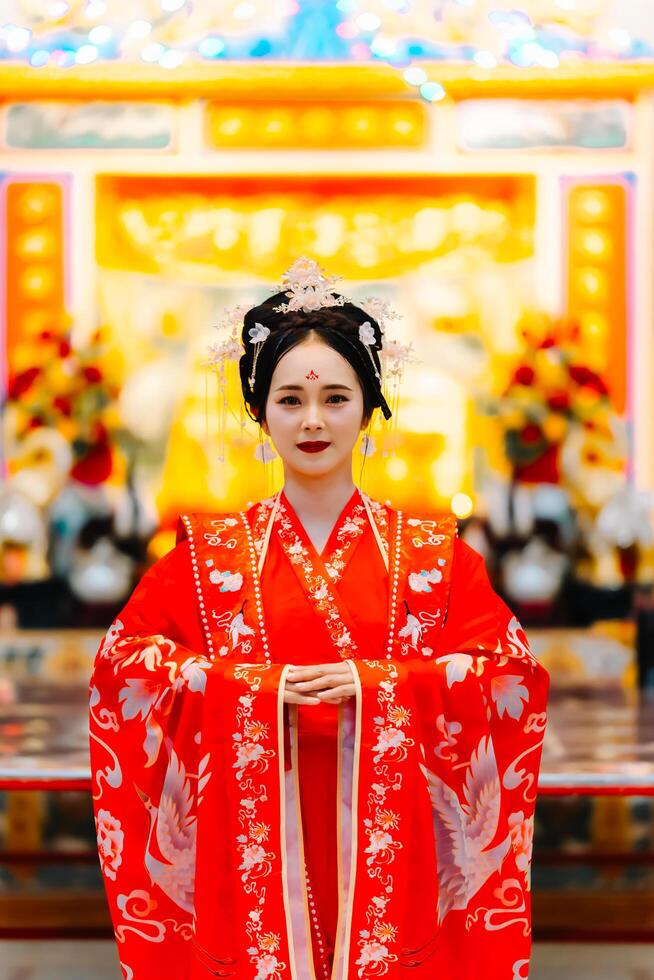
187 759
145 704
481 702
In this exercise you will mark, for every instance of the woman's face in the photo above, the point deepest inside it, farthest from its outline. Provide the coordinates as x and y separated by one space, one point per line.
315 397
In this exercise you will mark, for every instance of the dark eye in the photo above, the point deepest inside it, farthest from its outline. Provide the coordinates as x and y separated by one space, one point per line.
342 397
285 399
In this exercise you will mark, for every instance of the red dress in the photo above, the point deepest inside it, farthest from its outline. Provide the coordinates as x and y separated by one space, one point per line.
241 837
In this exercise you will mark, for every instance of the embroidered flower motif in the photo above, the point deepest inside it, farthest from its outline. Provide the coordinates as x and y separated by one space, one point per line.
321 592
375 954
138 697
267 966
522 835
372 952
508 693
258 333
379 840
112 635
228 581
388 820
367 333
423 581
260 831
252 855
385 932
457 666
255 730
399 715
256 861
150 652
110 842
270 941
317 585
389 738
194 672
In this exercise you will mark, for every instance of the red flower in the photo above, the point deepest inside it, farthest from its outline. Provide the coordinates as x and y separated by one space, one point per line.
22 382
580 373
62 404
92 374
99 432
559 401
64 348
548 342
35 423
95 467
588 379
524 375
531 433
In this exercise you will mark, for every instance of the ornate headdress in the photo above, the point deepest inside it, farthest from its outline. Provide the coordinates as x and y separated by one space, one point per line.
307 289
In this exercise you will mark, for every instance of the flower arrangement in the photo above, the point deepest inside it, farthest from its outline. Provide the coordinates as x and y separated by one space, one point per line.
551 395
67 389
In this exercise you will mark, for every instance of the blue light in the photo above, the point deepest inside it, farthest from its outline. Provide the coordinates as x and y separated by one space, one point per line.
39 58
211 47
432 91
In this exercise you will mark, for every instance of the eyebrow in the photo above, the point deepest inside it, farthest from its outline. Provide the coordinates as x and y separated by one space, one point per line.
301 387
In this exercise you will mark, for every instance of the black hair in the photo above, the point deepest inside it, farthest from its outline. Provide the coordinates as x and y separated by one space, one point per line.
337 326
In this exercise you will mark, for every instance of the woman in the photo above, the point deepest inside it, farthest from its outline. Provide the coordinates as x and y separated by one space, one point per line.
315 729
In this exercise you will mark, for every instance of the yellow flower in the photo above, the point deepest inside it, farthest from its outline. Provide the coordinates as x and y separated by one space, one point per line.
384 932
270 942
586 397
513 419
554 427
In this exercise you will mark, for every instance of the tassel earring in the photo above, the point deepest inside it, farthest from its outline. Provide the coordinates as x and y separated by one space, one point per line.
265 451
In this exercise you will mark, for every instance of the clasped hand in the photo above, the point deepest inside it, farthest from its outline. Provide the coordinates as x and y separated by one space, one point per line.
327 683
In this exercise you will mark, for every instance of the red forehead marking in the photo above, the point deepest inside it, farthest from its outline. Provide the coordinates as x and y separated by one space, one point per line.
311 376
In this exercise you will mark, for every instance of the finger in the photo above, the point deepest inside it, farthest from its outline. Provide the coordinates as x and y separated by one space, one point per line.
290 697
309 674
337 672
317 683
344 690
309 671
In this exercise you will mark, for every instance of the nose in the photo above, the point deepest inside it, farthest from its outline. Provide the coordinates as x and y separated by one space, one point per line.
312 419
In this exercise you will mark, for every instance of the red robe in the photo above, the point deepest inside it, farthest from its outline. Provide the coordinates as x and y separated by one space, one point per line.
392 831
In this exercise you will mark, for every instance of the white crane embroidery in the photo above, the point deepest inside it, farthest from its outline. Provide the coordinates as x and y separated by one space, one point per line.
413 627
175 833
238 627
464 831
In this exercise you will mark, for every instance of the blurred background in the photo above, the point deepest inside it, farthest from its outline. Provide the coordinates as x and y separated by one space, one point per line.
485 167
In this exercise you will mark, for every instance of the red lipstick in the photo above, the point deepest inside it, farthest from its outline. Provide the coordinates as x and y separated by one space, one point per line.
313 447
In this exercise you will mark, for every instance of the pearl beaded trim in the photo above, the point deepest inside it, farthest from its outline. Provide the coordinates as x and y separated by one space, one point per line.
393 583
256 584
316 925
198 587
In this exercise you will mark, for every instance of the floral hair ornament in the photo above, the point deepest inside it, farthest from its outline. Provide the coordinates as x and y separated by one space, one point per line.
308 288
